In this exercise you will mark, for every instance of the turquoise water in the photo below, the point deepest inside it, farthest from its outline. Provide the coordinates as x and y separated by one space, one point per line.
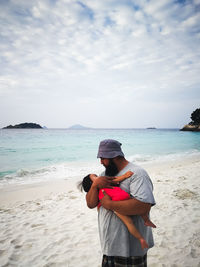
25 154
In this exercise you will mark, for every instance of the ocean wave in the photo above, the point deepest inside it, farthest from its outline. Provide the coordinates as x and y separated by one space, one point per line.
53 172
70 170
140 158
137 158
24 172
6 173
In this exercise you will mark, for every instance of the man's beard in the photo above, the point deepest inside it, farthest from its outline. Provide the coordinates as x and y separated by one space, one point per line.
111 169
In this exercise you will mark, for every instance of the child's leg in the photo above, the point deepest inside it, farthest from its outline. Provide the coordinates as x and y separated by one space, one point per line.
147 221
132 229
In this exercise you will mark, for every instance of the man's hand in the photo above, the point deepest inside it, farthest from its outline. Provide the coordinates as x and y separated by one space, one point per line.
106 200
103 182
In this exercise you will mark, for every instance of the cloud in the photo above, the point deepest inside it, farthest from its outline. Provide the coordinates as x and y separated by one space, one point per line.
98 53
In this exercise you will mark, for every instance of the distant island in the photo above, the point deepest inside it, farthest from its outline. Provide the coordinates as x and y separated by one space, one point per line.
78 127
151 128
25 125
194 125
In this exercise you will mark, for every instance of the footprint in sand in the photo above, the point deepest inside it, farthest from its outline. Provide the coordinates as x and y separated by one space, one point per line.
3 241
72 197
37 225
185 194
182 178
3 252
18 246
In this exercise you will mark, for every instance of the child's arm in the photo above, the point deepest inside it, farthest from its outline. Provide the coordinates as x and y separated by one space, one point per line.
123 177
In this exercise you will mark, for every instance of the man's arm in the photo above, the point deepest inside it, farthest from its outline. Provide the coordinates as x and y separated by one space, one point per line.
126 207
92 197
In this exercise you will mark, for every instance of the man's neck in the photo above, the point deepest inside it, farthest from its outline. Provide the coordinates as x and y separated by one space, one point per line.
121 163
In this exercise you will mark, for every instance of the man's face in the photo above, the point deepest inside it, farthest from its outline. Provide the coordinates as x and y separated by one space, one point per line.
105 162
110 166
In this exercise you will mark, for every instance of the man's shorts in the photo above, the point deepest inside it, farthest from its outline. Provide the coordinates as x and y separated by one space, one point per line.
114 261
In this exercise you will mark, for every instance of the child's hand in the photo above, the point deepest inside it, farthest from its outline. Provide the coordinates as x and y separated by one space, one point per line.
128 174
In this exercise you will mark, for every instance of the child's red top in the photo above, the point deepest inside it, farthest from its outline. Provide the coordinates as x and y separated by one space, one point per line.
116 194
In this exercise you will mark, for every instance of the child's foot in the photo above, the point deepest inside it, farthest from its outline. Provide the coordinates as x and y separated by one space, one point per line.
143 243
149 223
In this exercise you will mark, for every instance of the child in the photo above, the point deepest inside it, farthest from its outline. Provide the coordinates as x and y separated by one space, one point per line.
117 194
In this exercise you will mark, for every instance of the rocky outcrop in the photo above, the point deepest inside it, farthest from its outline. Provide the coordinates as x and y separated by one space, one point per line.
191 128
194 125
25 125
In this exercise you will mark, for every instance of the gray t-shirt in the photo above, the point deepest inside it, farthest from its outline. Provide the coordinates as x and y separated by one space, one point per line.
114 236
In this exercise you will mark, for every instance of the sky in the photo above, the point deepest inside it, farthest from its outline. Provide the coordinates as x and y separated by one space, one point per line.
99 63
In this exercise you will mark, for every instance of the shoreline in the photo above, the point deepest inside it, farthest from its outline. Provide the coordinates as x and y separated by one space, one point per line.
49 224
12 193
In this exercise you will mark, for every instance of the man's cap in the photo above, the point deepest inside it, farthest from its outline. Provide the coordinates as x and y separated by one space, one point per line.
109 149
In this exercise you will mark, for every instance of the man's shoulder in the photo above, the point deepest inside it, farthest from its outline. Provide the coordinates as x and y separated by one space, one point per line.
139 176
136 169
140 185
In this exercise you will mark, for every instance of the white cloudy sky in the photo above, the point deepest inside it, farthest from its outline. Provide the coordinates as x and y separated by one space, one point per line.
99 63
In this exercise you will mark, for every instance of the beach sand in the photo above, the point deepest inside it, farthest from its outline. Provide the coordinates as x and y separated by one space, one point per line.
49 224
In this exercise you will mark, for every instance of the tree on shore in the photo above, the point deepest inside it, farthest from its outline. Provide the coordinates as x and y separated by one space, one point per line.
195 116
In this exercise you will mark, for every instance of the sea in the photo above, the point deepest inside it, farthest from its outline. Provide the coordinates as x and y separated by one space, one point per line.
37 155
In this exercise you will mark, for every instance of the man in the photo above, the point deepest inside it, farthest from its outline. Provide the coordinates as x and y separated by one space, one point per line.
119 247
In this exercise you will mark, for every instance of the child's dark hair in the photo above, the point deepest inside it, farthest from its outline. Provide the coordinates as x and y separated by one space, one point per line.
85 184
